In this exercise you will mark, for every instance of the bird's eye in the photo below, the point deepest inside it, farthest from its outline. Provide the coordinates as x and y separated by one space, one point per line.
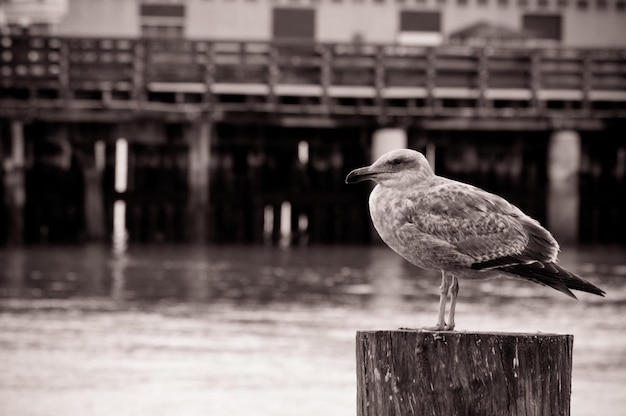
396 161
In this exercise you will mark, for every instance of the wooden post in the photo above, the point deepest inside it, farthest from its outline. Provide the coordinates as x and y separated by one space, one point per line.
93 169
15 185
411 372
199 140
564 155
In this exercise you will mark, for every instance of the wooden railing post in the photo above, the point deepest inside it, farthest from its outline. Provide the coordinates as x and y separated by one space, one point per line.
431 78
410 372
535 80
379 79
326 76
482 61
139 67
64 71
273 74
209 75
586 80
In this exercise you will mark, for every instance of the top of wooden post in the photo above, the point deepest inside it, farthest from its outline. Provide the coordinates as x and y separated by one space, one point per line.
537 334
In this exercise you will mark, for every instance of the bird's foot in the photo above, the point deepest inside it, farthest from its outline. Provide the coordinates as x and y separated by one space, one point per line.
439 327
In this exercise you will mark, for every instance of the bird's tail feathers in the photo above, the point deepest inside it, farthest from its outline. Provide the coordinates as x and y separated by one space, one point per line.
554 276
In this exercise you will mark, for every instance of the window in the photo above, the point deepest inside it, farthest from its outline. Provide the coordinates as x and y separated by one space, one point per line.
294 23
414 21
162 20
543 26
162 10
417 27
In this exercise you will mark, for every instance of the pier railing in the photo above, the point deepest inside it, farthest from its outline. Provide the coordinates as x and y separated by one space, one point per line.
70 75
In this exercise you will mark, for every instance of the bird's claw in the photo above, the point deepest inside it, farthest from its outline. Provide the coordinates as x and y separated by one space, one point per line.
438 327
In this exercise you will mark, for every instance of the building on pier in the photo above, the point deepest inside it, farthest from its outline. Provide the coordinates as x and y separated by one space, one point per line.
573 23
239 118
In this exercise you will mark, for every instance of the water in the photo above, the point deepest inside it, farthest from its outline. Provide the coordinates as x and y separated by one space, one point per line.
194 330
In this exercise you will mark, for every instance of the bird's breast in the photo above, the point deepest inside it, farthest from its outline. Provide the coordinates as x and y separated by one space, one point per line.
388 211
393 215
381 208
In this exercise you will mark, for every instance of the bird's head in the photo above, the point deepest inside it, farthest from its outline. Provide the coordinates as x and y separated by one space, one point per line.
395 168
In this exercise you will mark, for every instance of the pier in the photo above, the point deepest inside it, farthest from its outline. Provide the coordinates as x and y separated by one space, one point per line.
296 83
247 141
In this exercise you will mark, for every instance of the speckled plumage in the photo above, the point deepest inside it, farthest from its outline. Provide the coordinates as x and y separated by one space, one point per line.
437 223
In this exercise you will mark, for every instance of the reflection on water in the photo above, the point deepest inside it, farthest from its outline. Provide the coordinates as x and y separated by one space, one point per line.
197 274
196 330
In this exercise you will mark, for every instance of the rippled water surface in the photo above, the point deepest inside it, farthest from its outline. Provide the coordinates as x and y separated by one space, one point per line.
189 330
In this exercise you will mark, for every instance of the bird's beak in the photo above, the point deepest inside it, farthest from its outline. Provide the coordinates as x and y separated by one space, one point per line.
360 174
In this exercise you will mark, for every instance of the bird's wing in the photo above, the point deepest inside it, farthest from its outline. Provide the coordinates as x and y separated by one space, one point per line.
478 224
465 226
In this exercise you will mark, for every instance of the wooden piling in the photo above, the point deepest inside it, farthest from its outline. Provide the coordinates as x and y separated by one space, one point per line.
411 372
199 136
15 185
93 171
563 199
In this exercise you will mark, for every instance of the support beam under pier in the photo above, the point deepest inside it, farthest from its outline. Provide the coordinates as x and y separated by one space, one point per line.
564 153
198 137
14 185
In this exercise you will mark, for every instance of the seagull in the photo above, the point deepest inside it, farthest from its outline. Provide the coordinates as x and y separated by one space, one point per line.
465 232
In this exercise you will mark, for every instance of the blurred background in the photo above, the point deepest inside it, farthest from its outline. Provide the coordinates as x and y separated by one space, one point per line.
175 233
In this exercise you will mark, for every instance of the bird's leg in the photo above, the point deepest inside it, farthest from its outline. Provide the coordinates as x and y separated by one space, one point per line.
454 291
443 298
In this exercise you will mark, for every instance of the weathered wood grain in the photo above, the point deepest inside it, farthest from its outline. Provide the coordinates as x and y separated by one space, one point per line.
410 372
